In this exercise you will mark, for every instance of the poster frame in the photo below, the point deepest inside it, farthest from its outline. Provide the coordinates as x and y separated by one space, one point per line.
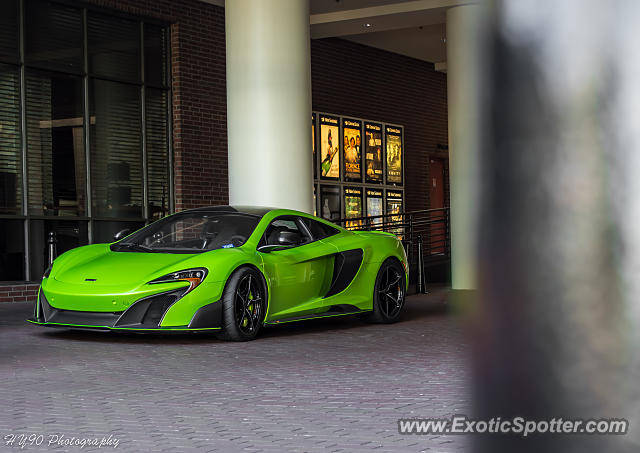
362 190
402 155
319 124
340 199
383 157
343 120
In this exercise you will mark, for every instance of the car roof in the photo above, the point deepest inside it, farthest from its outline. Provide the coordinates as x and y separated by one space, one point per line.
251 210
258 211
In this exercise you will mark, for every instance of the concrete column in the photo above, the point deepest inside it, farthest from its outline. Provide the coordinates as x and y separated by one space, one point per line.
269 103
463 98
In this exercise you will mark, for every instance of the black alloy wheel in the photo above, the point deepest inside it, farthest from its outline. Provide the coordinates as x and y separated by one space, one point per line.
389 293
243 305
248 304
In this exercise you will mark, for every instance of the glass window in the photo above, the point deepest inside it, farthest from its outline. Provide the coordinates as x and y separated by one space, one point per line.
55 140
53 36
157 129
155 55
10 143
318 230
113 47
193 232
116 150
9 35
69 234
284 229
103 231
11 250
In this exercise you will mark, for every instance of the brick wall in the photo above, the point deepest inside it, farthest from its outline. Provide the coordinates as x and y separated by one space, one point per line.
352 79
19 292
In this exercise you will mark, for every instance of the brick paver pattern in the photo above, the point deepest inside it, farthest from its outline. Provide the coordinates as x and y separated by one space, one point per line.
334 385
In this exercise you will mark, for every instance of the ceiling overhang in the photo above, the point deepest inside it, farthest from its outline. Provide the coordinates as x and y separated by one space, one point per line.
415 28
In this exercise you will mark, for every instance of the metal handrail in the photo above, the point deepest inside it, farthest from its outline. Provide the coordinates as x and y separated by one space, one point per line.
430 227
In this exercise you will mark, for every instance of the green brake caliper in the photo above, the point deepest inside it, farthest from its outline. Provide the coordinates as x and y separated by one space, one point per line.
245 321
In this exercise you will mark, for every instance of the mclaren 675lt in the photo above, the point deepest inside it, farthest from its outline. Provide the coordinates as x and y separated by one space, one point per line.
231 270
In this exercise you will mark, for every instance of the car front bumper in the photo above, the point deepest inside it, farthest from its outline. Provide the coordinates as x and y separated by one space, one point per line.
144 315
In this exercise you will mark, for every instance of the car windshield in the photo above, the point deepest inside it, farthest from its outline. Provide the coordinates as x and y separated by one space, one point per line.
191 232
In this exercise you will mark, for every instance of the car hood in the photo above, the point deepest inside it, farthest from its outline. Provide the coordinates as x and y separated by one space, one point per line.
102 267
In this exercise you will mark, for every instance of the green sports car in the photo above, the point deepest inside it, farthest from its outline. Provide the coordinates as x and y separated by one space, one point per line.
227 269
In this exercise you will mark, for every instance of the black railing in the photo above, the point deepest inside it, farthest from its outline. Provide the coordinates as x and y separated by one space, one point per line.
426 230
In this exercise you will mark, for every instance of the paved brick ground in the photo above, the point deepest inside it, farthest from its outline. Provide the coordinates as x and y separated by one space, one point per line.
318 386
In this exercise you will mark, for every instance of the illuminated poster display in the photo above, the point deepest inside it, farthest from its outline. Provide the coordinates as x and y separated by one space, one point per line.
393 136
373 152
313 144
352 155
329 147
374 205
330 202
394 206
353 206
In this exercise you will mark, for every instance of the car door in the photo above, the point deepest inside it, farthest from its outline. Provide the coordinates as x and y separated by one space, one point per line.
299 274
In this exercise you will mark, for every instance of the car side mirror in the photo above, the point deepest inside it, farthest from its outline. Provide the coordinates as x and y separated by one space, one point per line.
289 238
268 248
122 233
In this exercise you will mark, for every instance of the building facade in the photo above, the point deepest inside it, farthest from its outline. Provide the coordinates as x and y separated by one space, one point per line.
113 114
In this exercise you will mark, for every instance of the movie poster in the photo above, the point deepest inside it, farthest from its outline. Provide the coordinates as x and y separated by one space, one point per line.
329 147
353 206
394 208
352 155
394 154
373 152
330 202
313 145
374 205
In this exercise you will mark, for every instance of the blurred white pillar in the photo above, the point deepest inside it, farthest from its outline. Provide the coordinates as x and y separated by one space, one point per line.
557 322
269 103
463 93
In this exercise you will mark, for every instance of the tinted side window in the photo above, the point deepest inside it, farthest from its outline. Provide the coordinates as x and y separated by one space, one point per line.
319 230
286 224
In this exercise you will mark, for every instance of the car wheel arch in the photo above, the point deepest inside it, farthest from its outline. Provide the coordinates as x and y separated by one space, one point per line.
375 316
397 260
265 285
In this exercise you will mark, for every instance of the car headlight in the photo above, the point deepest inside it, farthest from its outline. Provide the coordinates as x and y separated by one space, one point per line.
193 276
47 272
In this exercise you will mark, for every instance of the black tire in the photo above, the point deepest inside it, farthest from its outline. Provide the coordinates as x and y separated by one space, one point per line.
388 293
243 305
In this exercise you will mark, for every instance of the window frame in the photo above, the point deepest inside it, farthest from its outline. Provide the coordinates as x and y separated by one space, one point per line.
299 223
323 226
